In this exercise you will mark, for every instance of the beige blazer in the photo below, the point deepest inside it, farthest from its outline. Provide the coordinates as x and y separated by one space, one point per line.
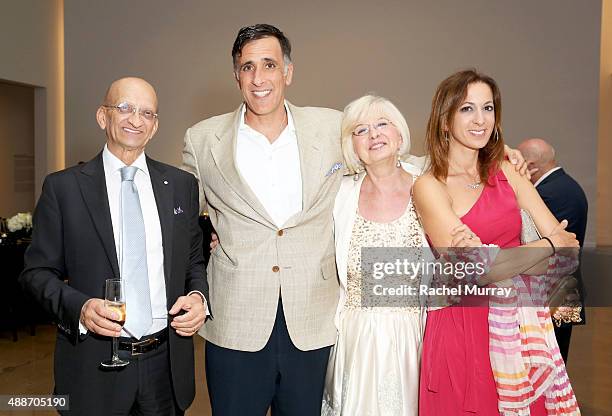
255 261
345 212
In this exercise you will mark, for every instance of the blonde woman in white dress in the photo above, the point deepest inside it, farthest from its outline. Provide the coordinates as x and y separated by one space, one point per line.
374 366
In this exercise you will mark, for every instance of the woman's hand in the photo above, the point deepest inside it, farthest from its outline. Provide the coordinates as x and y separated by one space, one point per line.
462 236
562 238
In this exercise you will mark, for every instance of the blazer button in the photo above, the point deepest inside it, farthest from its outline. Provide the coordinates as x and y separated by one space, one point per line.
275 269
280 233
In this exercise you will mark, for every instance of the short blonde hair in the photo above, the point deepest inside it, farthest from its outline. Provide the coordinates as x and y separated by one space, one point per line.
365 107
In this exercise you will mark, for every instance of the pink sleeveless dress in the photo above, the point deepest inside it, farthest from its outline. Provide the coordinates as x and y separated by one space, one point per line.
456 375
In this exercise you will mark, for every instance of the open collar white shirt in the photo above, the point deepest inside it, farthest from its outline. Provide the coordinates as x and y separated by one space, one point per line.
153 234
271 170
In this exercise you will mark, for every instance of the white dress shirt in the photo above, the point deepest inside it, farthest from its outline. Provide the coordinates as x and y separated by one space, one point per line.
546 175
153 235
271 170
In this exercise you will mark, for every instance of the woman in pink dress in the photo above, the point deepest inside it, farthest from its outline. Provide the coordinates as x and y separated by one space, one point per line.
469 366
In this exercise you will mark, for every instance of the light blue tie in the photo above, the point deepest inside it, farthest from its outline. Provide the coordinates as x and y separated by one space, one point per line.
134 258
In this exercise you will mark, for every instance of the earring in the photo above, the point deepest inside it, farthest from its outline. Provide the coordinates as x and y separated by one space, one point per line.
496 134
446 136
398 164
358 170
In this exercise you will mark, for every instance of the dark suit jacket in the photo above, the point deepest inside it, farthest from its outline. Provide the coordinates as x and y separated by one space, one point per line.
73 252
566 200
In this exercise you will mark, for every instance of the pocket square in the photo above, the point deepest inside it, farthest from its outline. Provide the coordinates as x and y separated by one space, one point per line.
337 166
178 210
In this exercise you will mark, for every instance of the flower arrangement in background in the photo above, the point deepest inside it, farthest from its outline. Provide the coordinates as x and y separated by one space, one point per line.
20 221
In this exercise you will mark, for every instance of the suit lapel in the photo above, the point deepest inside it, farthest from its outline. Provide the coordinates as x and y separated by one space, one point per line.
310 161
163 190
224 155
92 182
345 212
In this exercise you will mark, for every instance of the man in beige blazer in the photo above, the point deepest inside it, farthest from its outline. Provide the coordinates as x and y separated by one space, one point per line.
268 175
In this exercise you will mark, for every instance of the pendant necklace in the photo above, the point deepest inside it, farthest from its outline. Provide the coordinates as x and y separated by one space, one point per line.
474 185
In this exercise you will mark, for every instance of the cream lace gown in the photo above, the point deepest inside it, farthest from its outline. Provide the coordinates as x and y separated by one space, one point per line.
374 367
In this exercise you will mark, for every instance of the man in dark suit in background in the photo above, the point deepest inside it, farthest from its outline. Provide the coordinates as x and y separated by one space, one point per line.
565 199
83 234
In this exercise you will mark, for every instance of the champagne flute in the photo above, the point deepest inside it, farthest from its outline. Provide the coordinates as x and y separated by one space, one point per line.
115 301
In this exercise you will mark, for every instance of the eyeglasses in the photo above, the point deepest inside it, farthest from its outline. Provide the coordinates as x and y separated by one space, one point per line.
127 108
381 126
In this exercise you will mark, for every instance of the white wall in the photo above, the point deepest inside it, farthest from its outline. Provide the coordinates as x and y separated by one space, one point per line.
16 138
604 167
544 55
31 52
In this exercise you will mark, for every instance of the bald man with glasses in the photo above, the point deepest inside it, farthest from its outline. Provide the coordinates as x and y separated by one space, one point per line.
84 233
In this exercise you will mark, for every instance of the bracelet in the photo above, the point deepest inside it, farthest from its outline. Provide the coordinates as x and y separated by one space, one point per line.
551 244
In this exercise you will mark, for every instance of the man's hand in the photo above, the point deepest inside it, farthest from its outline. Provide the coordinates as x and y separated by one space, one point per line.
188 323
214 241
99 319
516 158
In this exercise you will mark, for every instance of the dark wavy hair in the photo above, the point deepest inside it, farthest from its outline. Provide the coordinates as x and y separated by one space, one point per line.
448 97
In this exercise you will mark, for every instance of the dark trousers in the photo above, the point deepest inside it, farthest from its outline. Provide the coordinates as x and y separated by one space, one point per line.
280 375
563 335
144 387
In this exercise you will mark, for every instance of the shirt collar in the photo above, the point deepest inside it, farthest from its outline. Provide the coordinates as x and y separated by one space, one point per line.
243 126
546 175
114 164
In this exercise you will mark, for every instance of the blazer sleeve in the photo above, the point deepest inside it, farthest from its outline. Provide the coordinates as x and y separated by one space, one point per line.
195 278
190 164
44 271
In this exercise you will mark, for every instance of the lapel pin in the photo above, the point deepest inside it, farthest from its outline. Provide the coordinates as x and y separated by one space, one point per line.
165 182
337 166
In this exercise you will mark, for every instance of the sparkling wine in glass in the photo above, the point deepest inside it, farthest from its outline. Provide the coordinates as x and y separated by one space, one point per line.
115 301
